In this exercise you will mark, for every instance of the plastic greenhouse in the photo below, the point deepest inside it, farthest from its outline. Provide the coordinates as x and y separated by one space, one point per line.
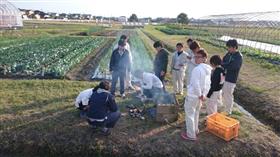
10 16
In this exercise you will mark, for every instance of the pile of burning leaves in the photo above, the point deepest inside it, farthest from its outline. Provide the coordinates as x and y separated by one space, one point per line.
136 112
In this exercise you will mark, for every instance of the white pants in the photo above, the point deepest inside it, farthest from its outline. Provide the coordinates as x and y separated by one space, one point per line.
128 80
188 77
213 102
128 74
227 93
192 107
178 80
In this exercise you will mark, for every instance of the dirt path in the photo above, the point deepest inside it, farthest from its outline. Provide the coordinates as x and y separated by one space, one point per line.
259 93
141 55
57 130
62 133
107 33
258 89
86 68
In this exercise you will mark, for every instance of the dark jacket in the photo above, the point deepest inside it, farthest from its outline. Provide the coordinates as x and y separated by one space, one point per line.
100 103
118 62
232 63
161 61
216 83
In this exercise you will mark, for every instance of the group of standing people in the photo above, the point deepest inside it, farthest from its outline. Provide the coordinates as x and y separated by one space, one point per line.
203 82
214 83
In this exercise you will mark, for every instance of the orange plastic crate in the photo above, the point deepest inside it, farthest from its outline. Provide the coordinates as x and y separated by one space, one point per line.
222 126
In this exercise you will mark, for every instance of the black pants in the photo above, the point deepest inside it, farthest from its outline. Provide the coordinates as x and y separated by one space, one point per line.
150 93
115 76
157 73
81 106
162 78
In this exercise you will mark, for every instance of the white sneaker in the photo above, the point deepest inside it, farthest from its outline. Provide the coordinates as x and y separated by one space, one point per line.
131 87
123 95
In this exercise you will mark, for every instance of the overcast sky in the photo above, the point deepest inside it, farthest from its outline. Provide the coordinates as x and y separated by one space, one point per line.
150 8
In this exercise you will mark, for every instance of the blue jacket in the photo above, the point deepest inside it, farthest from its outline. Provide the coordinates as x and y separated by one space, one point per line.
232 63
101 103
118 62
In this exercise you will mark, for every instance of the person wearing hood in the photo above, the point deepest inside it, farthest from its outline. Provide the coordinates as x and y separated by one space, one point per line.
81 102
194 47
103 111
232 63
178 68
197 91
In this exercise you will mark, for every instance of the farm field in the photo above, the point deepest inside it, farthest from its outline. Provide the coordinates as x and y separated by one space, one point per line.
258 87
141 55
213 35
48 28
51 56
251 33
38 117
42 121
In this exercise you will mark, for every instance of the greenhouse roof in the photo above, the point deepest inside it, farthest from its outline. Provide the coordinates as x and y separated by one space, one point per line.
10 16
7 8
258 16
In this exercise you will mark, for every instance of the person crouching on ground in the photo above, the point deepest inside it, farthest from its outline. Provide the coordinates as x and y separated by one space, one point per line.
151 85
81 102
103 111
197 90
178 68
217 81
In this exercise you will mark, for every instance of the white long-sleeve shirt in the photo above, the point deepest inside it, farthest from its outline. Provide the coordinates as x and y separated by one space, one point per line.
179 62
83 97
150 80
200 81
191 62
